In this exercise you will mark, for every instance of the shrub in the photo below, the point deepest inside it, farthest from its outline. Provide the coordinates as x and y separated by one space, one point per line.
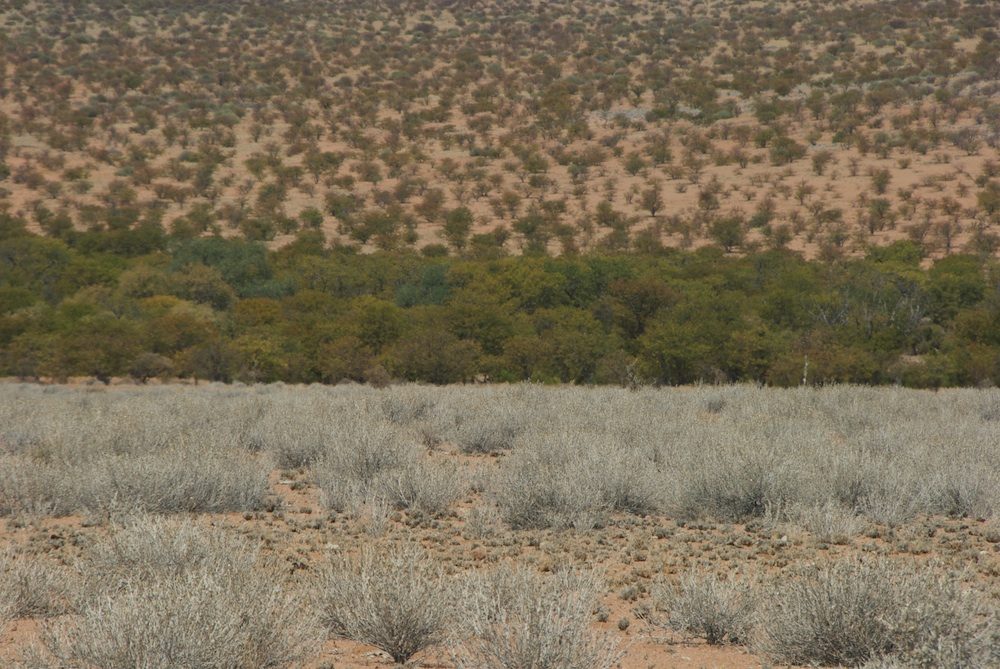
852 612
394 599
173 481
829 522
706 606
31 588
192 620
734 482
573 479
147 548
516 619
365 453
425 486
533 494
218 610
486 421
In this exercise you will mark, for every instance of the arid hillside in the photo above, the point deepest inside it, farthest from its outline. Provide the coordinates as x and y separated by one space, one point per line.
507 127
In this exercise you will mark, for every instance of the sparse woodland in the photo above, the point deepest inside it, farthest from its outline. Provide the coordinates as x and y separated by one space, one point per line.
484 128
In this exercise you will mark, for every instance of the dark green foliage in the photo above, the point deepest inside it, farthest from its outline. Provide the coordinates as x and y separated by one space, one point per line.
245 266
230 309
431 289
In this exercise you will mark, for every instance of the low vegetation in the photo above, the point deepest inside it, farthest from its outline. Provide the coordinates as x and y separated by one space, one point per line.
858 525
400 602
852 612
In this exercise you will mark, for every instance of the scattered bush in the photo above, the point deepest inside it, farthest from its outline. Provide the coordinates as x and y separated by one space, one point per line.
395 599
32 588
856 611
428 487
211 612
516 619
148 548
706 606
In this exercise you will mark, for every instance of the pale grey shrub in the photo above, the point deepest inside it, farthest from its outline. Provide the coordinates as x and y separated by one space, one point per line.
33 587
422 485
171 481
173 595
517 619
532 491
197 619
735 481
395 598
365 450
892 498
484 420
707 606
885 663
184 481
828 522
148 548
573 479
348 469
404 405
855 611
883 454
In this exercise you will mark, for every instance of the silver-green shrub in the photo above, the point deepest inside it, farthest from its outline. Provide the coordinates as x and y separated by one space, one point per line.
518 619
394 598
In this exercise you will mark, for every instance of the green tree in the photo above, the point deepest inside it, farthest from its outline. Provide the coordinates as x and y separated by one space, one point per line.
729 232
785 150
880 177
988 199
674 353
636 301
433 355
457 226
344 358
954 283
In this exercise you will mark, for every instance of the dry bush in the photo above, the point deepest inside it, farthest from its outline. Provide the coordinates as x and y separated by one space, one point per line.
348 470
405 405
155 450
396 599
706 606
728 452
829 522
147 548
735 480
172 595
517 619
171 481
574 478
539 486
197 619
428 487
484 420
303 425
854 611
532 494
32 588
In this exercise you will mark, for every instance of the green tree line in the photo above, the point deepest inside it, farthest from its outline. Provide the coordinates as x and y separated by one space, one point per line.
139 303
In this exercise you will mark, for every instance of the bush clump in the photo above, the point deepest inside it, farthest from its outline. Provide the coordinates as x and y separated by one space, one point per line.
148 605
516 618
705 606
853 612
397 600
